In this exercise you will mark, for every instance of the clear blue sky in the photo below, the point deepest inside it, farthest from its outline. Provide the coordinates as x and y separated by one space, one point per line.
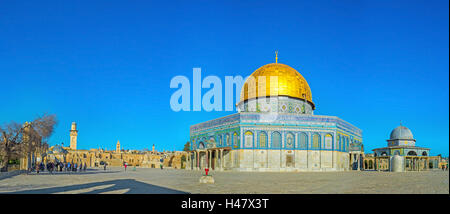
107 64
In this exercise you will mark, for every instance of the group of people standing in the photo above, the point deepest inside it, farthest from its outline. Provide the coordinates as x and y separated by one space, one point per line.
60 166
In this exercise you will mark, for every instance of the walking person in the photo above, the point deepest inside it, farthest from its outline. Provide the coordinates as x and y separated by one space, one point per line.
125 165
75 167
104 166
85 167
50 167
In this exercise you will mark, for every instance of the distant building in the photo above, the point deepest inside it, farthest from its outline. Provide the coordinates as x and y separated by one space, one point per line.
99 157
118 147
73 136
401 143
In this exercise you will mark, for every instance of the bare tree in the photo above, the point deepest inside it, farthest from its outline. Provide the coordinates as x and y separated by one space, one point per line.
10 148
36 135
26 140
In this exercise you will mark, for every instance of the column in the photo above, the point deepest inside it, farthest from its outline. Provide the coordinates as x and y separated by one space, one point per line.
375 166
231 158
417 164
221 159
351 161
209 158
189 160
216 159
197 164
206 159
359 162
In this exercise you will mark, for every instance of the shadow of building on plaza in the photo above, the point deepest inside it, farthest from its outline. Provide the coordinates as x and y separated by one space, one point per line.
87 172
133 187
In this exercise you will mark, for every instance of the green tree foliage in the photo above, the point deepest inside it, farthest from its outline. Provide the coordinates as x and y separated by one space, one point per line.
187 147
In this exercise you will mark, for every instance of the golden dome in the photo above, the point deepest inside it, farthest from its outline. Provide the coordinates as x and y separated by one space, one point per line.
290 83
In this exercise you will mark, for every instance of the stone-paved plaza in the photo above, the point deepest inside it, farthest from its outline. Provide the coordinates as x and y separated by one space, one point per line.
172 181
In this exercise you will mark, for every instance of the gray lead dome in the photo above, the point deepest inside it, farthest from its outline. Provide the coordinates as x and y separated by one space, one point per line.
401 132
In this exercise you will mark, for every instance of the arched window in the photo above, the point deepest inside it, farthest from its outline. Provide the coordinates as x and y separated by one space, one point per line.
248 138
303 141
212 141
328 141
220 140
262 140
424 154
201 145
228 139
290 140
412 153
397 153
316 141
276 140
235 140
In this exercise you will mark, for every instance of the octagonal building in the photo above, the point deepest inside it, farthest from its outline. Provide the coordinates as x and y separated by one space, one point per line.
401 142
275 129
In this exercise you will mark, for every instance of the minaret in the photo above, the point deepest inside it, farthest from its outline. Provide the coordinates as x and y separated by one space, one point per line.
118 147
73 136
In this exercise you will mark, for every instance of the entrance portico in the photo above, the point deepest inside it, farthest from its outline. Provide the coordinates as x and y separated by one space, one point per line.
211 158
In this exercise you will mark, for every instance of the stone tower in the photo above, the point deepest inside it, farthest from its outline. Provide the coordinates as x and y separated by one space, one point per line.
153 148
118 147
73 136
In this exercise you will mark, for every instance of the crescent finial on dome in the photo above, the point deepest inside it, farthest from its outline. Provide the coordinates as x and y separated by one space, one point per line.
276 56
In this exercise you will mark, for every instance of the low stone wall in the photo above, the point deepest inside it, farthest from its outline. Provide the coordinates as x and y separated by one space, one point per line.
9 174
